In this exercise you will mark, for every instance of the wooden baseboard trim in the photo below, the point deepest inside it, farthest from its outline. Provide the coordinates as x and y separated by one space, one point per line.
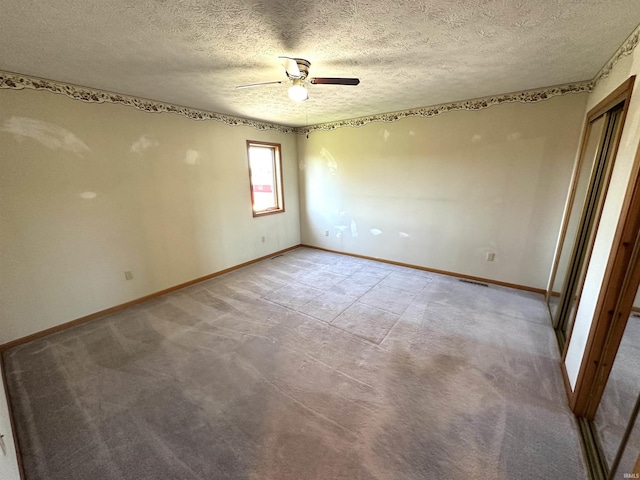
122 306
433 270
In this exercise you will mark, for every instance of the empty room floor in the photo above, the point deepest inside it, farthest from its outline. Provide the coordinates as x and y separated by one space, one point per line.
307 366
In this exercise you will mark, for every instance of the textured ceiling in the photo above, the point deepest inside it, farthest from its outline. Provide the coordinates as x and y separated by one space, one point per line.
407 53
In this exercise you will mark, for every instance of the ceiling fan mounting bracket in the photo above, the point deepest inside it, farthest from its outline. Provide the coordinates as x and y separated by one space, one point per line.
303 66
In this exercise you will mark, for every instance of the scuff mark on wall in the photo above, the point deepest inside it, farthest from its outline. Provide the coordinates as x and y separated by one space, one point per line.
354 229
192 157
341 229
332 165
143 143
88 195
514 136
47 134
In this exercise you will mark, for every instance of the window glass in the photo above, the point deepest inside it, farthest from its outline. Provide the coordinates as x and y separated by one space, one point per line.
265 177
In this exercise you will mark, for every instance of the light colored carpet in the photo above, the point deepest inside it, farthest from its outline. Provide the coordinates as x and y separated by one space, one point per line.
308 366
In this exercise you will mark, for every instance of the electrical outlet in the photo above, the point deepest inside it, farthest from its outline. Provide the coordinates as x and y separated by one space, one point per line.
128 275
491 256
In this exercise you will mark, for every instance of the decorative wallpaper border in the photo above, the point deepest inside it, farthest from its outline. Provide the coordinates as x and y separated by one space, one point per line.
529 96
625 49
16 81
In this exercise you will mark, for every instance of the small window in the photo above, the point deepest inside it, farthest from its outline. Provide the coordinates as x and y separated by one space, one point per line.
265 176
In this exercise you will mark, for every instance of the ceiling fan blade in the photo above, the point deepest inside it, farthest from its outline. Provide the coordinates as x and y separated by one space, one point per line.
334 81
251 85
290 66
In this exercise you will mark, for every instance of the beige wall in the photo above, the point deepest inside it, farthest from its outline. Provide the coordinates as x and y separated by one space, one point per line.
627 66
88 191
441 192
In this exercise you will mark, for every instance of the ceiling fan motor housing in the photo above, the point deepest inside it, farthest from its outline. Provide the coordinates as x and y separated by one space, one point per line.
303 66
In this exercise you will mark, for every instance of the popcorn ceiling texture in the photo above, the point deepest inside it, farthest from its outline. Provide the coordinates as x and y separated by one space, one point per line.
407 53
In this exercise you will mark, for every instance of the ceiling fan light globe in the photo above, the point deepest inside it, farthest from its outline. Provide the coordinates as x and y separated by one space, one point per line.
298 93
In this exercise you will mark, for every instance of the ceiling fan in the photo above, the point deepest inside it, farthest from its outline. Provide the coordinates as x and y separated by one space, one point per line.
297 70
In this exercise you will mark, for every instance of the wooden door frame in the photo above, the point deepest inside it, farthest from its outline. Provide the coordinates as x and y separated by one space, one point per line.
618 317
615 299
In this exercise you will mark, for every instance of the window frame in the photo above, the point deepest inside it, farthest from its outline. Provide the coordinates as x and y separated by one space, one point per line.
277 177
